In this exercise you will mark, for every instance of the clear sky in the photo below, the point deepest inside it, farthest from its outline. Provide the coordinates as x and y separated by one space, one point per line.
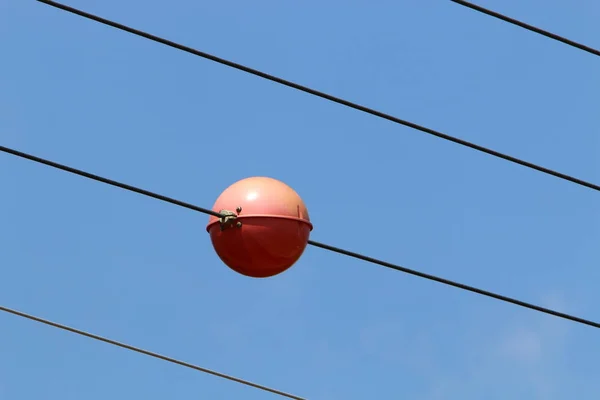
144 272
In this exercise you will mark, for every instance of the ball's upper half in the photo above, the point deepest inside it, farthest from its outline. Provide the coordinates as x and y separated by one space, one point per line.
270 230
261 196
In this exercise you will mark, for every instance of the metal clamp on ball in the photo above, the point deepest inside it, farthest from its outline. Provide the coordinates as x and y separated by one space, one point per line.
229 217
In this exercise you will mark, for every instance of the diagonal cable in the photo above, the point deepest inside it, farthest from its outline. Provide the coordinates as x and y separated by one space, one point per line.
147 352
323 95
318 244
529 27
107 181
462 286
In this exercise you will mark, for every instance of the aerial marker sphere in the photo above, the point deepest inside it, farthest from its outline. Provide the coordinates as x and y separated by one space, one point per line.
265 230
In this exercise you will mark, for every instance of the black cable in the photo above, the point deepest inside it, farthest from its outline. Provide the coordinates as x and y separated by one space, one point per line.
108 181
528 27
148 353
321 245
323 95
455 284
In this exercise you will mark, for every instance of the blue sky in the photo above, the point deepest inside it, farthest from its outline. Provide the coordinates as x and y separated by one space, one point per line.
144 272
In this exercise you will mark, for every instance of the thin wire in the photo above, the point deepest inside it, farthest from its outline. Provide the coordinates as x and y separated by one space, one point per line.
146 352
531 28
330 248
108 181
455 284
323 95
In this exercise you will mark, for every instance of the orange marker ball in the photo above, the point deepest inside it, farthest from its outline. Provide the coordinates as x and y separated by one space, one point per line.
266 231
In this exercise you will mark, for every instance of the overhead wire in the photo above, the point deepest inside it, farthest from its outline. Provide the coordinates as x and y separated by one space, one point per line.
310 242
323 95
456 284
107 181
147 352
529 27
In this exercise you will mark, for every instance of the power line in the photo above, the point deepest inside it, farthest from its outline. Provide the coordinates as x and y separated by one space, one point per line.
456 284
528 27
146 352
323 95
316 244
108 181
